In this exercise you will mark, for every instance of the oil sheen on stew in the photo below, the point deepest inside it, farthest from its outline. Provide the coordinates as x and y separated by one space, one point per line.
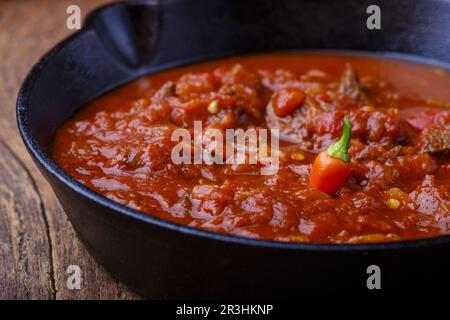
399 183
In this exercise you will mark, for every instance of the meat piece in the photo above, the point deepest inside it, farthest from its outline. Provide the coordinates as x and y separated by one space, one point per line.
245 86
194 84
277 79
240 75
363 153
349 90
391 172
166 90
432 198
377 127
191 100
434 140
293 127
282 79
209 201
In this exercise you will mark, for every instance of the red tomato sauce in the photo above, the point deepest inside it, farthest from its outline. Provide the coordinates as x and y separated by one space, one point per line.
399 185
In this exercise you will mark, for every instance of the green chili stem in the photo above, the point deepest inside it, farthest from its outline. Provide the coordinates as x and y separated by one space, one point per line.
339 149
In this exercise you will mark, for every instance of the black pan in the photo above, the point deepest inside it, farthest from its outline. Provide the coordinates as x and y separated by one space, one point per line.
160 259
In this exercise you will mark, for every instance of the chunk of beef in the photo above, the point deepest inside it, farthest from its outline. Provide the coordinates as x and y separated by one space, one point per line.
282 79
293 127
432 198
209 201
188 100
349 91
195 84
166 90
434 140
375 127
376 174
277 79
245 86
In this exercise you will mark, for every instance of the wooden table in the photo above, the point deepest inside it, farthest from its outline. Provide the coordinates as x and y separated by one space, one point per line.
37 242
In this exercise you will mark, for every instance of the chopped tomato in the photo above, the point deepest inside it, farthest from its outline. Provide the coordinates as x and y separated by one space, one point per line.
285 101
420 118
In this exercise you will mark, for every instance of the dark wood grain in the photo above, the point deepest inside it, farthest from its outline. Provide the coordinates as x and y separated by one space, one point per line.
37 243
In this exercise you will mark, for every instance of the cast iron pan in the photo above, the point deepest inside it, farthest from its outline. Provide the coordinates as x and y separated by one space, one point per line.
160 259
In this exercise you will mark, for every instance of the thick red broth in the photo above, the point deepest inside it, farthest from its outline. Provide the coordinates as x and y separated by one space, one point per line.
397 180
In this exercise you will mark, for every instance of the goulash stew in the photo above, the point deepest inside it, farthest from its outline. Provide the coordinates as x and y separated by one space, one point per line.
363 147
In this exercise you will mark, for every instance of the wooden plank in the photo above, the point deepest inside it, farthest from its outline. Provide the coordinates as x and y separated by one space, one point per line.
25 256
37 243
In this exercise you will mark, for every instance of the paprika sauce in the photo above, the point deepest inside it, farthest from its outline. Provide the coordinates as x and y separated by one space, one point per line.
384 177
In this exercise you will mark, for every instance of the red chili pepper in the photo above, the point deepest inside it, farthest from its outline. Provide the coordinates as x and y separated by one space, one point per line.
331 168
